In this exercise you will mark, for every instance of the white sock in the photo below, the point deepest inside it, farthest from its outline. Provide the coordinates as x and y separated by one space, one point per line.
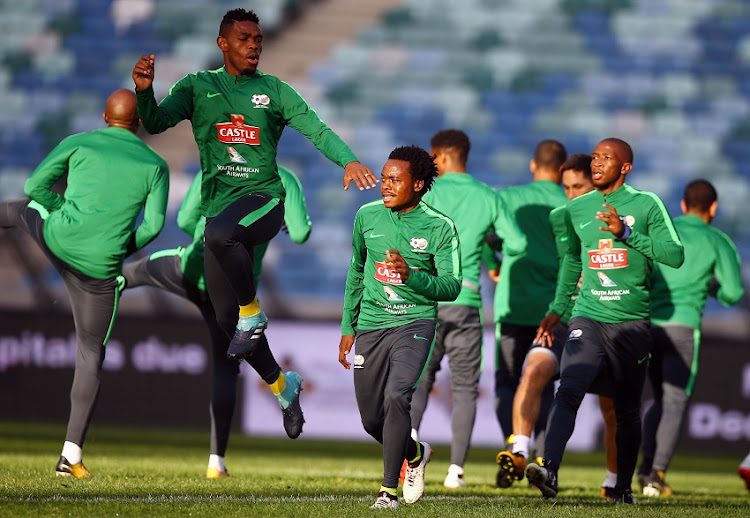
610 480
520 445
415 435
72 452
217 462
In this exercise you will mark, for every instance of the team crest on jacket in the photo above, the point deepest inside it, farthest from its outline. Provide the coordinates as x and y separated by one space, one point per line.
418 243
261 101
237 132
606 257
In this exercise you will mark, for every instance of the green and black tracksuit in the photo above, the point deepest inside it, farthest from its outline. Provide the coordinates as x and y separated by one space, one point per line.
237 123
459 332
609 328
180 271
87 232
712 267
394 318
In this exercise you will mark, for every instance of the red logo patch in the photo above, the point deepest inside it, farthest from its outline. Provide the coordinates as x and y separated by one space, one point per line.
609 259
386 275
237 132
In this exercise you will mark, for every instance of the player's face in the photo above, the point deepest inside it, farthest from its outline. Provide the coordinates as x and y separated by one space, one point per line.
242 47
608 167
400 191
575 183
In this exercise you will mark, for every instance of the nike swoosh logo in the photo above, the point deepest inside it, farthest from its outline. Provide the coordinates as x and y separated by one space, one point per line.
563 239
373 236
648 355
210 95
583 225
417 337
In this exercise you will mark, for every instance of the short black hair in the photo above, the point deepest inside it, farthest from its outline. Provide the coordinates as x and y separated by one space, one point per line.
578 162
550 154
625 147
236 15
699 195
452 139
421 164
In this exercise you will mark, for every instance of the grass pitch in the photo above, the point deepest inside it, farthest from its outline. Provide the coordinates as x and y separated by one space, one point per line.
157 472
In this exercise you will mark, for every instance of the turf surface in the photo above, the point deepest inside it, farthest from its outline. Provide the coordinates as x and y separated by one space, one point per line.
157 472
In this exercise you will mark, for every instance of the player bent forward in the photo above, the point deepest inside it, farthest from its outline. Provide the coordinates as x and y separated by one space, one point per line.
405 258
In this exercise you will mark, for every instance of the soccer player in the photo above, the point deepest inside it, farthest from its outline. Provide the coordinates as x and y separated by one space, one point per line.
87 232
405 258
712 267
238 114
527 282
609 328
180 271
459 331
542 364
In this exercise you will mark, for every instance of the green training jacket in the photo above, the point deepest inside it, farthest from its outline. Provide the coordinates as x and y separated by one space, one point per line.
376 297
237 123
679 294
527 279
112 176
616 274
476 210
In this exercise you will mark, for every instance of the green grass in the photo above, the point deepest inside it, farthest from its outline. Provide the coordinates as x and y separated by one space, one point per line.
157 472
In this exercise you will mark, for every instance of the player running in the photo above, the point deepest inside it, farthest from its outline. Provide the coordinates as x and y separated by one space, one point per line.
405 259
615 233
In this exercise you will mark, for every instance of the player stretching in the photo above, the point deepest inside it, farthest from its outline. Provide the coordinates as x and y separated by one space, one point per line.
87 233
405 258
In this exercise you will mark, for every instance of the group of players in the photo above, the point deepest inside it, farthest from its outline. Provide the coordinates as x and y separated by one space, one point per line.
412 291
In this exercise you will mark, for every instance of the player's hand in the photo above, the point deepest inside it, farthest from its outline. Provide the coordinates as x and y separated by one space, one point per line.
544 334
395 261
360 174
612 220
143 72
347 341
494 274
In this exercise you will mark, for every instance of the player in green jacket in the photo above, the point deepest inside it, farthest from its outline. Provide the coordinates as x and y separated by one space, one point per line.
542 364
712 267
527 282
405 259
87 232
610 327
180 271
238 114
476 210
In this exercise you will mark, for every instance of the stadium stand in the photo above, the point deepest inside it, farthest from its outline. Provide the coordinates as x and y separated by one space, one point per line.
669 77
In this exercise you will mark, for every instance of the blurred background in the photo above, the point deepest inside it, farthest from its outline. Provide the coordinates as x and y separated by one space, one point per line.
672 77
